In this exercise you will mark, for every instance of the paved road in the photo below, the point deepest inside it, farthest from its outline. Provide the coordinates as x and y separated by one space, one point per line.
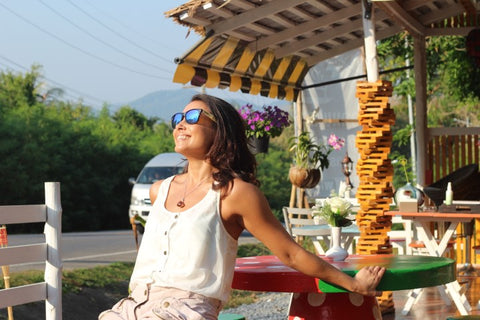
89 249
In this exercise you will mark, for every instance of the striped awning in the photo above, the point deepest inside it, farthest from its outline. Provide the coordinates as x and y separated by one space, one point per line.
227 62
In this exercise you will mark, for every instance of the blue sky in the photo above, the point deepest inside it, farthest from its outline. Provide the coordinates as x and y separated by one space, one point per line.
98 51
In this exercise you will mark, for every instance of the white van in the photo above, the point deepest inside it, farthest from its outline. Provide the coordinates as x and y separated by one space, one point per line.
159 167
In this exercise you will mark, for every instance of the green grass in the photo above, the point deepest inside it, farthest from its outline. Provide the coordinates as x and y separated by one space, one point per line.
74 280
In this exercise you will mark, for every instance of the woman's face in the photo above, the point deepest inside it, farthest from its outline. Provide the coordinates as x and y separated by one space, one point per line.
196 139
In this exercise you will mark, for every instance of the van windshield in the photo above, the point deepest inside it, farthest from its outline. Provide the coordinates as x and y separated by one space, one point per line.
151 174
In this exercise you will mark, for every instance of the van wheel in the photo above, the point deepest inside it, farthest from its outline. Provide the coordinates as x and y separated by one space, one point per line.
140 228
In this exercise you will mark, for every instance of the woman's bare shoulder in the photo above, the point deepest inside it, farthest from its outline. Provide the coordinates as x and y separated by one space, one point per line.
244 193
240 187
154 189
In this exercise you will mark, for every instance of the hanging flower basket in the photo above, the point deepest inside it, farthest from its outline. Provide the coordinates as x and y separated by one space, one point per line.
261 125
258 145
304 178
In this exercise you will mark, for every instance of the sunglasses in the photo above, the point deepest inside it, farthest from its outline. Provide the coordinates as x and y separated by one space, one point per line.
191 116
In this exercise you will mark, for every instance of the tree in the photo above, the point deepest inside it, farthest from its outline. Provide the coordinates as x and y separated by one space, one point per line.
18 90
453 80
453 86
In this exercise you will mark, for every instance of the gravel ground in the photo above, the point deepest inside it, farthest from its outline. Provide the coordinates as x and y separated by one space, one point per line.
270 306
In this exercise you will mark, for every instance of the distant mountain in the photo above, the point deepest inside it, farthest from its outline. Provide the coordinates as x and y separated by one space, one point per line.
164 103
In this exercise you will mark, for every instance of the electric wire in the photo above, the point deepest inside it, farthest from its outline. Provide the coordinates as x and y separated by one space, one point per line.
127 27
116 33
80 49
61 86
102 41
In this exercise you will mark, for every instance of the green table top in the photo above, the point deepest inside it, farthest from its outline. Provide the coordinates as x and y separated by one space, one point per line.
402 271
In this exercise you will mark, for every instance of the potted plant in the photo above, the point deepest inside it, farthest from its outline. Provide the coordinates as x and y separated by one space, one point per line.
335 211
309 158
261 125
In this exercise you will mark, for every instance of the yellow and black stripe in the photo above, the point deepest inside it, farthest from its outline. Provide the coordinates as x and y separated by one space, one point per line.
222 62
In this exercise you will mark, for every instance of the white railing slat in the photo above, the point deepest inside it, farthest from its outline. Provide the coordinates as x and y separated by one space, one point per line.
22 254
23 214
49 252
23 294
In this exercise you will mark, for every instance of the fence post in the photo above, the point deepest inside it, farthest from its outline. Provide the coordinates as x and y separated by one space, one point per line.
53 237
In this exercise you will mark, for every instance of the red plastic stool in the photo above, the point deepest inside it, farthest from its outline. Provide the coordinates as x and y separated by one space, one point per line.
334 306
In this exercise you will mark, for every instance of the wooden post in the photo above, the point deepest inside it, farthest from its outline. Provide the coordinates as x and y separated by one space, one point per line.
371 62
54 266
297 195
420 68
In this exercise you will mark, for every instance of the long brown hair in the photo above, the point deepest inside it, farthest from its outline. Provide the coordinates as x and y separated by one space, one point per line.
229 152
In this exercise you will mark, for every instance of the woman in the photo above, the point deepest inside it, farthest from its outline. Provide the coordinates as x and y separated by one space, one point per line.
185 264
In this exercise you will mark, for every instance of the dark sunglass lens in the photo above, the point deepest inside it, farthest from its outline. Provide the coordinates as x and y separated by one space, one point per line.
192 116
176 119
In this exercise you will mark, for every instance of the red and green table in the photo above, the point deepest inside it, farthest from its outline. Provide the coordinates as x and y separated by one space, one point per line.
315 299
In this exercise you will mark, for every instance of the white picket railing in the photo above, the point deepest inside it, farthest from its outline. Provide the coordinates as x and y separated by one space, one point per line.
50 252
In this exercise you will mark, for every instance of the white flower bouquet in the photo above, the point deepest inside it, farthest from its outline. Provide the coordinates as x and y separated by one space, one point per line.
334 210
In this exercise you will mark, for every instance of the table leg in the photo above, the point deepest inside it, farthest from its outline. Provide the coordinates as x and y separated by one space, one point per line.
468 269
463 306
318 246
437 250
415 294
329 306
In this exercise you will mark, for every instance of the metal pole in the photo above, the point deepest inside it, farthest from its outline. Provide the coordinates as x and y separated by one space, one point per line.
413 148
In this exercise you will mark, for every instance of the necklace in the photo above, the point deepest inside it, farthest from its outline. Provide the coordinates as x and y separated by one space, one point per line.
181 203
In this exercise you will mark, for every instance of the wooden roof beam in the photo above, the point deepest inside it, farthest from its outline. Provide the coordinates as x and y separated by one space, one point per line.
463 31
252 15
451 11
320 5
307 27
402 17
350 46
312 41
217 10
317 39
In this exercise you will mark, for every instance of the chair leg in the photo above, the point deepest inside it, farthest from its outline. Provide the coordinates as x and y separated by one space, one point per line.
413 296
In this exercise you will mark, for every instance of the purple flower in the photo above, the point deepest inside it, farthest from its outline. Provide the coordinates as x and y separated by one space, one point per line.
270 121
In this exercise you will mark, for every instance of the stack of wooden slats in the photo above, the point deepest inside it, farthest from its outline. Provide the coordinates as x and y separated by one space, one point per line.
375 172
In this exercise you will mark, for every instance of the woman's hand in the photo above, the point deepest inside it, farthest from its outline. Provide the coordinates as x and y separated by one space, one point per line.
367 280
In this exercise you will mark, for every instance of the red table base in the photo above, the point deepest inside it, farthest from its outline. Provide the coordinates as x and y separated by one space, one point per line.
338 306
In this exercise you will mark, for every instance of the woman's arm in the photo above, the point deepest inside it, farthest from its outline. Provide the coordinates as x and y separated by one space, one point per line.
250 209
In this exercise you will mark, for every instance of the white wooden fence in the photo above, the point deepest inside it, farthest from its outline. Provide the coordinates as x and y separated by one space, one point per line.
51 289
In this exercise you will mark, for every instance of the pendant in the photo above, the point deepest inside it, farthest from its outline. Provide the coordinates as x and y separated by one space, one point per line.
181 204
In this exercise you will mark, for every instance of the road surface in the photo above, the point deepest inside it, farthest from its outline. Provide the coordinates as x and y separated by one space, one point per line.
90 249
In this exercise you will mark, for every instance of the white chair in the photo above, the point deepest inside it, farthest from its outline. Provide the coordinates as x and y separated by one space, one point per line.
402 239
296 218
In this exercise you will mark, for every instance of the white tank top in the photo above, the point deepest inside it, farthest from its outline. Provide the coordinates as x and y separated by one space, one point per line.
189 250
